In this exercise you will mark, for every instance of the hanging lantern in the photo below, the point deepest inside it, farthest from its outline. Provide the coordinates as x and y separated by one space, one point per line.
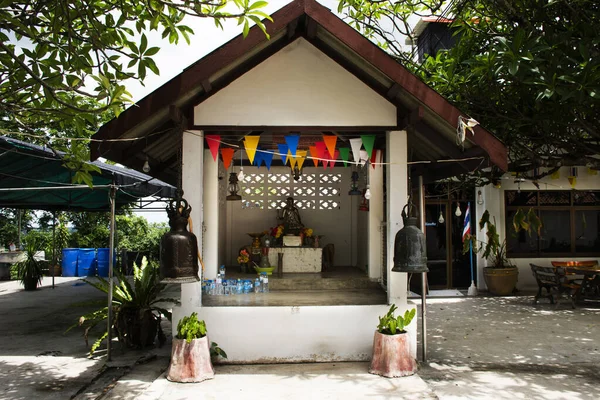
233 188
354 190
410 251
296 172
178 247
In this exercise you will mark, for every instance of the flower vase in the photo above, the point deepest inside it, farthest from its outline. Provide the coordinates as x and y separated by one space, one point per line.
316 242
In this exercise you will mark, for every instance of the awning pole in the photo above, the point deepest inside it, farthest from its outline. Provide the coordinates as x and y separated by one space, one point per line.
53 245
423 275
111 250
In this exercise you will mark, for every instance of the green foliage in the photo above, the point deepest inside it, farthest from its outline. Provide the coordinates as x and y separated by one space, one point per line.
30 268
493 250
190 328
9 224
216 351
528 71
389 324
527 222
138 298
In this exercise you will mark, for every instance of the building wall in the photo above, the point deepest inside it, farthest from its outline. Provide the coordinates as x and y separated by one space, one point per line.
494 203
335 224
298 86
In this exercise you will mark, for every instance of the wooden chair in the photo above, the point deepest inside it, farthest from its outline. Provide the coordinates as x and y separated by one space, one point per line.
555 282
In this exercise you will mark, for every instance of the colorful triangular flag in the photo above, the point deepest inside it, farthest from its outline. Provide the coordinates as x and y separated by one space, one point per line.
330 141
251 144
356 143
213 144
314 155
368 141
345 153
227 155
292 142
268 159
283 150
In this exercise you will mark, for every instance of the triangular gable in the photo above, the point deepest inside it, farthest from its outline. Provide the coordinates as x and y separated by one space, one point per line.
298 86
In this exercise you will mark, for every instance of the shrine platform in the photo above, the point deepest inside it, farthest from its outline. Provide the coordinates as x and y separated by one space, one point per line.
337 286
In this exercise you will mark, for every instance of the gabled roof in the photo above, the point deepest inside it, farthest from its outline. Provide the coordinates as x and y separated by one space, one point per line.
429 118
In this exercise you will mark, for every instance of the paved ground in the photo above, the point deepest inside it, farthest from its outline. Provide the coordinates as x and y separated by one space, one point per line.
478 348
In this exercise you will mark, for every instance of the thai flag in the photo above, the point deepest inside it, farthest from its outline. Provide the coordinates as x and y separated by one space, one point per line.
467 226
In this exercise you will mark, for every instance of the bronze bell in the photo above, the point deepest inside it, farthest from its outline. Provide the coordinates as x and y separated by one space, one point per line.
178 247
410 251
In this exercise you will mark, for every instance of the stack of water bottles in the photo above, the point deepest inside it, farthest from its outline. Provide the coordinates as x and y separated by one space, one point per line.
221 286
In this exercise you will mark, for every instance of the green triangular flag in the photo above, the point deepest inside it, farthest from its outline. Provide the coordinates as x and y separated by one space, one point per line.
368 142
344 153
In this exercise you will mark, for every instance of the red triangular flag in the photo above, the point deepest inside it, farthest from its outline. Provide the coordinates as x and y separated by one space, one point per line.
314 155
335 156
374 158
213 144
227 155
322 152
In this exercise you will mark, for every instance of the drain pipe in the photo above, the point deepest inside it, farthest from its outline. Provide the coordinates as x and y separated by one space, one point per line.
423 275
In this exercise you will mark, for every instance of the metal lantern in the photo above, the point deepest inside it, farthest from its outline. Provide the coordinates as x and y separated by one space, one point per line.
354 190
410 250
233 187
178 247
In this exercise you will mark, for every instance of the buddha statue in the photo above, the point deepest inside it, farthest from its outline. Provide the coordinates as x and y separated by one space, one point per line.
290 215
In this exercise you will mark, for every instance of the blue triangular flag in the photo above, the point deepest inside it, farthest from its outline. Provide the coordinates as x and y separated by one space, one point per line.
267 158
283 149
258 158
292 142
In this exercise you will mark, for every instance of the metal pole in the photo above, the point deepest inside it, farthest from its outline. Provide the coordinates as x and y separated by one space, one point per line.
423 275
53 245
111 250
19 228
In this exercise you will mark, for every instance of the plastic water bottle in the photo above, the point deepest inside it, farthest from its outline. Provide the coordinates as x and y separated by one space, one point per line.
247 286
226 288
265 288
219 285
222 271
239 287
211 289
257 285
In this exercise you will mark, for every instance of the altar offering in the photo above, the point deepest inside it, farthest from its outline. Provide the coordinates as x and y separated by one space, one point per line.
292 241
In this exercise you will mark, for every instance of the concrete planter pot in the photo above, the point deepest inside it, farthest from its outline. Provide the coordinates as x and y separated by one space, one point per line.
391 356
190 362
501 281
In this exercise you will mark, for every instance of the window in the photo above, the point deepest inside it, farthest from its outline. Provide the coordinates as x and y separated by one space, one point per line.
570 223
313 191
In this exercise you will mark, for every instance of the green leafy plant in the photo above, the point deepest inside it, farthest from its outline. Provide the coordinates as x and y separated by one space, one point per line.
136 313
389 324
493 249
29 270
527 222
190 328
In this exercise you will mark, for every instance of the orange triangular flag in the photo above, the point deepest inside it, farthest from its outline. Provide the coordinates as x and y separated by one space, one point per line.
250 144
227 155
330 141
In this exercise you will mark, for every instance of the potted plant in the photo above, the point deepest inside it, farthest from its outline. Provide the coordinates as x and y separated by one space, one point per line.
136 314
191 355
500 275
391 348
29 270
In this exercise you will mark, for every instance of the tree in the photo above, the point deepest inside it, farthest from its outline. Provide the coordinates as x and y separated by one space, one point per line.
527 70
66 63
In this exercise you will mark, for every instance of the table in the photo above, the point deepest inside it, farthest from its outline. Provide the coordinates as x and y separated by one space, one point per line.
590 282
298 259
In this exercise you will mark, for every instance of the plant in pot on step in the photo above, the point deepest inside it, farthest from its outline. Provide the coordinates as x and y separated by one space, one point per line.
391 348
136 310
29 269
191 355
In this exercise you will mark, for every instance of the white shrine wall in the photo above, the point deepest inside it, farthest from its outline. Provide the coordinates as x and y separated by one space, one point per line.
335 224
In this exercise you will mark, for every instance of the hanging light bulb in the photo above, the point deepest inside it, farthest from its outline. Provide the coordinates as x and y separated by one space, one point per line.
241 174
368 193
458 213
479 198
146 167
441 219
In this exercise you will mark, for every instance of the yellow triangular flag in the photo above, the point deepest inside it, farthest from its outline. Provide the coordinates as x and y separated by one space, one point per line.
555 175
300 157
293 161
288 157
572 181
250 144
592 171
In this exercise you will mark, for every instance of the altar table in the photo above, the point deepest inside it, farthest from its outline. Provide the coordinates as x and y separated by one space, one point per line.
297 259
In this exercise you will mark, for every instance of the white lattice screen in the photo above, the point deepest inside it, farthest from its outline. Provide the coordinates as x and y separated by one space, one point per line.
313 191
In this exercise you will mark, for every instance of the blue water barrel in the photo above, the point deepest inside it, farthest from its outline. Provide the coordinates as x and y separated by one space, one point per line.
69 262
86 262
102 257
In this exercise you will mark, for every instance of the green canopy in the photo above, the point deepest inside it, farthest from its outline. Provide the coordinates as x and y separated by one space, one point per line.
34 177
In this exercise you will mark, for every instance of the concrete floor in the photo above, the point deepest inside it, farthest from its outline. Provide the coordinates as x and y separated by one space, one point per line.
478 348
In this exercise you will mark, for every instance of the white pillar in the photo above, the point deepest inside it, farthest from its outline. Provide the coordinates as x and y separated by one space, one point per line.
210 251
492 202
397 196
376 214
192 164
